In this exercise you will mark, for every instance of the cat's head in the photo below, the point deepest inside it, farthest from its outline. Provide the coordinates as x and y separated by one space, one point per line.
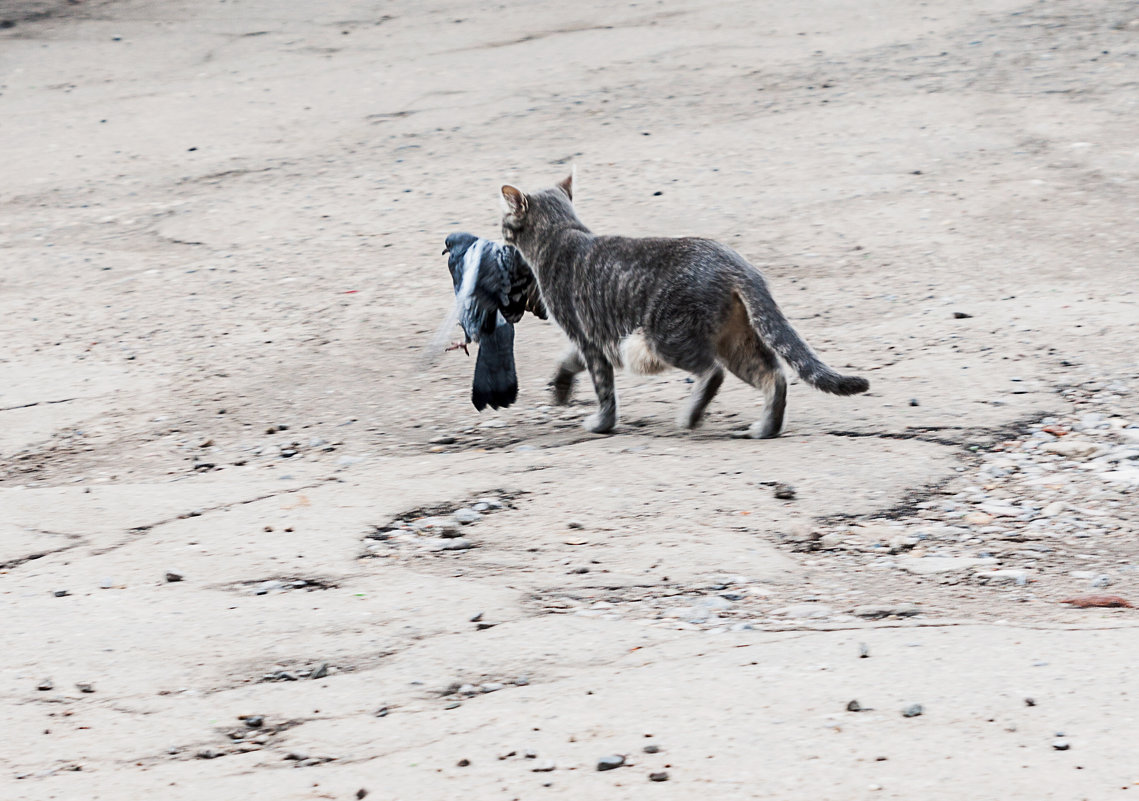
526 217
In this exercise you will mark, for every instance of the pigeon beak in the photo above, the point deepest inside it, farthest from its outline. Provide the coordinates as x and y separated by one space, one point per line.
445 251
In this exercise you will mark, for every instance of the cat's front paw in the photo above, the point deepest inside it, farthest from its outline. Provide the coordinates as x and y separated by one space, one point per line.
600 424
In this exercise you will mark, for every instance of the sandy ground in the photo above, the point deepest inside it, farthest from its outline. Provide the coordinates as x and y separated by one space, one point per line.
220 227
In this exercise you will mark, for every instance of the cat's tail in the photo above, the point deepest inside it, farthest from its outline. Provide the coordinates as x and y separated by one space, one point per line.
774 329
496 383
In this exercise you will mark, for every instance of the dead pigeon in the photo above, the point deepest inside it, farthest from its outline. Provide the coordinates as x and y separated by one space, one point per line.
494 287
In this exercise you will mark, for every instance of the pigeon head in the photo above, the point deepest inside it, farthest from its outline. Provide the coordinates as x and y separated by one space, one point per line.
457 243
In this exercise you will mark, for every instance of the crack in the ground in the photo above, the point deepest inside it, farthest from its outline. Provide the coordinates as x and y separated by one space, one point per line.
20 560
137 530
35 403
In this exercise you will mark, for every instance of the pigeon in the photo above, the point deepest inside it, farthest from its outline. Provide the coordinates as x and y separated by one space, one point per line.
494 287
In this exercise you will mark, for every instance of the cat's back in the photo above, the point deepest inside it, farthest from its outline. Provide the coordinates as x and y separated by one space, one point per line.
660 254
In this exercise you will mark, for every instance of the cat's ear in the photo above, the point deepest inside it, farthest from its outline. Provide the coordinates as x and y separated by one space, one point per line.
567 185
513 200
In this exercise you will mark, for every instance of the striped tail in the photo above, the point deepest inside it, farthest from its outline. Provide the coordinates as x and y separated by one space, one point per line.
774 329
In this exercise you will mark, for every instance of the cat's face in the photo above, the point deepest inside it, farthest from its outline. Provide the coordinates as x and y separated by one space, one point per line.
524 214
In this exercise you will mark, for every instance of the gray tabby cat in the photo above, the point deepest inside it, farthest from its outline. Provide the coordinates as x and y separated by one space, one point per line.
653 303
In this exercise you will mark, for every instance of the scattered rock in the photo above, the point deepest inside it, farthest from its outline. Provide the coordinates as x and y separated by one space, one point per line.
61 593
652 749
879 611
361 793
85 686
914 402
863 651
545 766
1070 448
173 575
610 762
784 492
806 610
912 711
854 706
1061 745
830 542
999 577
1030 702
253 721
444 439
320 672
209 753
660 775
957 315
931 565
45 685
463 763
466 516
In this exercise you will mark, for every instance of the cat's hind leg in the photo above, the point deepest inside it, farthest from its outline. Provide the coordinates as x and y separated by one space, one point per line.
743 353
572 363
707 385
601 371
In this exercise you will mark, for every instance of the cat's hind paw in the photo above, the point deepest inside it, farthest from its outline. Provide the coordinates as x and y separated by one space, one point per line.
599 424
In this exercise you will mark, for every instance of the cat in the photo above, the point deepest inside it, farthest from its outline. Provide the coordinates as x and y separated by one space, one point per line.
656 303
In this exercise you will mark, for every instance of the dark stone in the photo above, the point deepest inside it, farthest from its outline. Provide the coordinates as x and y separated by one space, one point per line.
610 762
784 492
659 776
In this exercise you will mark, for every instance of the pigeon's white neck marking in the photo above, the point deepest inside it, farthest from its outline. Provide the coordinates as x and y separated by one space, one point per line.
471 261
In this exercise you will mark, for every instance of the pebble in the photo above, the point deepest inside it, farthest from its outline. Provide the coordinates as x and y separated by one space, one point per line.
209 753
930 565
61 593
659 776
854 706
85 686
173 575
437 526
45 685
466 516
610 762
545 766
445 439
877 612
1061 745
912 711
804 611
784 492
457 544
320 672
652 749
1070 448
254 721
830 541
998 577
